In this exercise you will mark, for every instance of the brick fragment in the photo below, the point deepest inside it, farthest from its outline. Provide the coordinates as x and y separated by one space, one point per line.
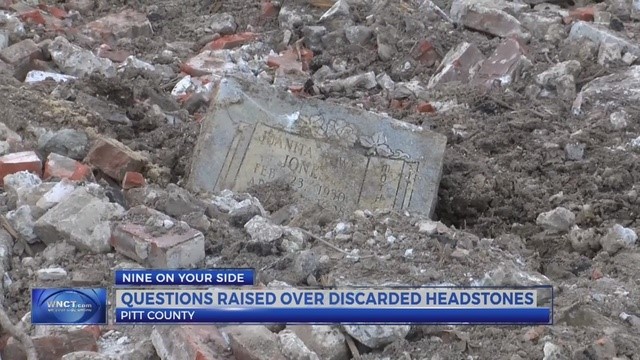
426 53
458 65
231 41
32 15
125 24
580 14
190 342
132 180
21 52
53 347
492 21
206 63
596 274
114 158
501 67
289 62
159 248
105 51
398 104
62 167
20 161
54 11
254 343
425 107
268 10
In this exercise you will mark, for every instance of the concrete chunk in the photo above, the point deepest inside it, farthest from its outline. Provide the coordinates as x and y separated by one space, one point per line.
326 341
600 34
76 61
82 219
377 336
189 342
610 92
254 343
342 158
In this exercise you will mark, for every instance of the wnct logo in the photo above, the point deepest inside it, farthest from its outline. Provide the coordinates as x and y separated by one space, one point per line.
68 305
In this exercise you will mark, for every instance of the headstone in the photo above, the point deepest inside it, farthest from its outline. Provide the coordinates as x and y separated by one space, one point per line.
339 157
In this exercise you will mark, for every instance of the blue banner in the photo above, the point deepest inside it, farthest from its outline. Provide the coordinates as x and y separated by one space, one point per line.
201 277
68 306
504 316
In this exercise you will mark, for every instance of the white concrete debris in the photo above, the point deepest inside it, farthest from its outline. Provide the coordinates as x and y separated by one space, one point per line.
326 341
262 230
559 220
52 274
76 61
618 238
377 336
294 348
83 219
36 76
23 222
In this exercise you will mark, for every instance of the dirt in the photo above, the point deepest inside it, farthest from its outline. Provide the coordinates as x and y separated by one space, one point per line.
508 166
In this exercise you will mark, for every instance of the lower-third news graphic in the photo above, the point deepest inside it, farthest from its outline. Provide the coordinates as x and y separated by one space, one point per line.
68 306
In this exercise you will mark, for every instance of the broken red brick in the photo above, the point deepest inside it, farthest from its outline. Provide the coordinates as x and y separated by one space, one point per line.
34 16
94 330
133 180
21 161
534 334
290 61
105 51
506 61
21 52
426 53
114 158
54 11
398 104
269 10
62 167
125 24
582 14
231 41
173 248
425 107
53 347
596 274
205 63
458 64
190 342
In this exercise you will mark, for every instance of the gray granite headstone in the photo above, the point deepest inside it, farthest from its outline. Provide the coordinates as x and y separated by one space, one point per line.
339 157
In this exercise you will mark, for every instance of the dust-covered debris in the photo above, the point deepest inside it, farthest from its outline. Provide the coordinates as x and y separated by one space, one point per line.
103 104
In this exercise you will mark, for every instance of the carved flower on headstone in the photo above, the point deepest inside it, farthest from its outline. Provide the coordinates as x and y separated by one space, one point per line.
314 125
341 131
377 144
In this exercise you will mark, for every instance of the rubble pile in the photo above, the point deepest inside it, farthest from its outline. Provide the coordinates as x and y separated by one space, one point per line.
114 154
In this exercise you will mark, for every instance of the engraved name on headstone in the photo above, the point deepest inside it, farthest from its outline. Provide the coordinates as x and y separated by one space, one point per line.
339 157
